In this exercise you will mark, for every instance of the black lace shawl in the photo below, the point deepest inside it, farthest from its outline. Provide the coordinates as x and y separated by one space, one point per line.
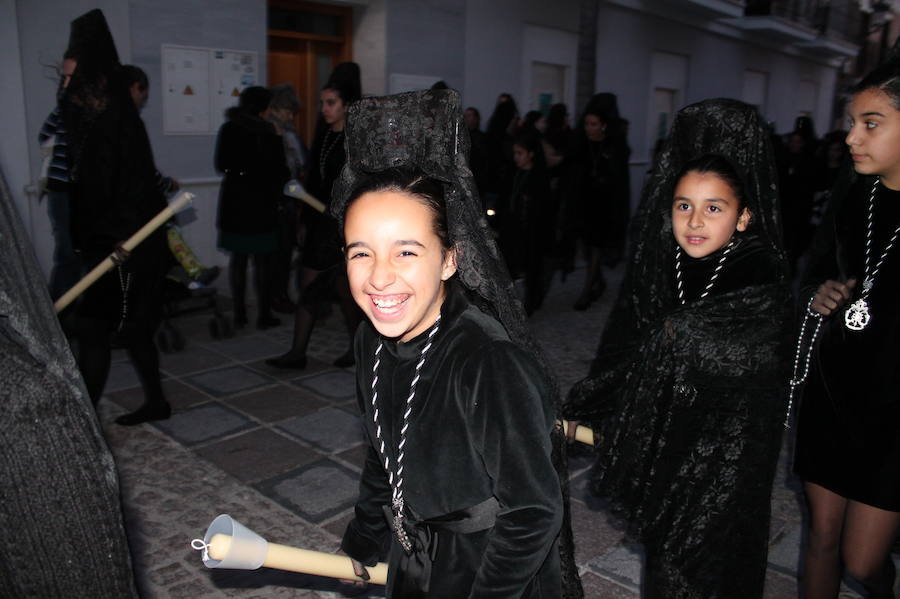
426 130
687 401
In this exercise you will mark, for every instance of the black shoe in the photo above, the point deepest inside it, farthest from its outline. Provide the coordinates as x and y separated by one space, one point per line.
345 361
267 322
146 413
287 362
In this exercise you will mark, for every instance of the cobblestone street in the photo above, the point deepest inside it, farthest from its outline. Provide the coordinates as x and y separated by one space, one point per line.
281 452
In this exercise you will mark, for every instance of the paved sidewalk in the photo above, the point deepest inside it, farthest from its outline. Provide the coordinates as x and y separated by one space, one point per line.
281 452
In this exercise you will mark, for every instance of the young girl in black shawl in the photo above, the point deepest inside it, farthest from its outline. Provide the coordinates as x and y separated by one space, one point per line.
848 438
460 477
686 395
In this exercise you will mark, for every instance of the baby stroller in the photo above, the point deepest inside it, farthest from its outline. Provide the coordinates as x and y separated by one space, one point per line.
187 291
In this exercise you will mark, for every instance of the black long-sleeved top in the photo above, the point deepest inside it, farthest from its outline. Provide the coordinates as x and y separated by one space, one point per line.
480 427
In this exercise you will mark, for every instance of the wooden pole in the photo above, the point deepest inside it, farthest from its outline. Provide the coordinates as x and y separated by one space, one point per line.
582 433
304 561
181 201
294 189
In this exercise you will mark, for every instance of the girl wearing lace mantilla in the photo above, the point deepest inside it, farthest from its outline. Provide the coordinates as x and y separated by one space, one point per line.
686 395
460 478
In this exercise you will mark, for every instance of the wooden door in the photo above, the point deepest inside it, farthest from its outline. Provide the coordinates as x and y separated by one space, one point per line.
305 59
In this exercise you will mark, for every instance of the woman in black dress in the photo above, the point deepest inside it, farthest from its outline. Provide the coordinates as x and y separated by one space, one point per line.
848 438
321 272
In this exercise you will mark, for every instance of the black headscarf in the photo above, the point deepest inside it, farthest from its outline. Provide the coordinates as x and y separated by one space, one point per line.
425 131
97 82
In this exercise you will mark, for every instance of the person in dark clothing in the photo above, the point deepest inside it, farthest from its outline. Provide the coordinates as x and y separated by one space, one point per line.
597 180
114 193
321 275
451 391
848 434
498 143
687 393
478 159
66 263
250 155
281 113
797 184
527 218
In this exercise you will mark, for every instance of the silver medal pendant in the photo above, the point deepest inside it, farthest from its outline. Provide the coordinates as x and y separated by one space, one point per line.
399 529
857 315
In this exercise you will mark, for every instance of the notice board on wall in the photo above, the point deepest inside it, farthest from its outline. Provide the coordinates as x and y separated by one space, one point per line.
199 84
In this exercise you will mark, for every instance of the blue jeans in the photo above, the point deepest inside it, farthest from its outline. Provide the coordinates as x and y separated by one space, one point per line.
66 263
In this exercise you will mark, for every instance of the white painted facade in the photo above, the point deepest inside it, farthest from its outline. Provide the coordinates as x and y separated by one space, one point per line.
651 53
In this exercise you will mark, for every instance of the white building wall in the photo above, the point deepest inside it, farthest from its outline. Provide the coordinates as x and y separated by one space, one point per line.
717 59
493 63
370 46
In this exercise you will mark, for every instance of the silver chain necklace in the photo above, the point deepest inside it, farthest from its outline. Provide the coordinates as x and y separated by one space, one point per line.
712 279
857 315
323 157
395 477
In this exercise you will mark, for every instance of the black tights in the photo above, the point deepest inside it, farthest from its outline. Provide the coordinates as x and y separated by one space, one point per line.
305 317
94 356
845 534
237 276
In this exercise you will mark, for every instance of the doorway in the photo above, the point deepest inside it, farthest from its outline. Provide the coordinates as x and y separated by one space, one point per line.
305 42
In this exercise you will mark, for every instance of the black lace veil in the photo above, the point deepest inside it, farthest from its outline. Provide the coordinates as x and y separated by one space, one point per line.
425 130
726 127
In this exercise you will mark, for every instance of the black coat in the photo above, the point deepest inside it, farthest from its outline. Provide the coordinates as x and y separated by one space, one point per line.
479 428
113 194
251 156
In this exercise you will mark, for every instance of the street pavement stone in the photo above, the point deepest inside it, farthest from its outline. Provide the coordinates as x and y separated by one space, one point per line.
329 429
281 452
256 455
316 491
333 384
277 402
228 381
204 422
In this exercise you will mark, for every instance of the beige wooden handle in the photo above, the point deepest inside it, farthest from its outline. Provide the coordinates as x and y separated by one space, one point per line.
304 561
295 190
582 433
181 200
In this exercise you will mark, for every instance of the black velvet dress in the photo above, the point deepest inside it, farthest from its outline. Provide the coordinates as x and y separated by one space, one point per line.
322 248
688 417
848 437
479 434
